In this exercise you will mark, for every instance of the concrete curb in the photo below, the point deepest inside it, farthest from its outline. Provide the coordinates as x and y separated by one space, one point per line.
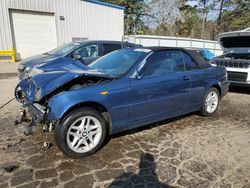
8 75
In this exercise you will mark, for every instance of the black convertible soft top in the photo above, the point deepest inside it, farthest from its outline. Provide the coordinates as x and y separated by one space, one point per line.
201 62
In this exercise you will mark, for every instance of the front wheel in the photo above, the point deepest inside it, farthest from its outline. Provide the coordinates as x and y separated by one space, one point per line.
210 102
81 133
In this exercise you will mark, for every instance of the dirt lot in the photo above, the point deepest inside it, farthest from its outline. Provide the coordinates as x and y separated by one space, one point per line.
190 151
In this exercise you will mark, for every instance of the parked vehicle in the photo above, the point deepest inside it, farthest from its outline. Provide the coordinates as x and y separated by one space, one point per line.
205 53
236 56
85 52
123 90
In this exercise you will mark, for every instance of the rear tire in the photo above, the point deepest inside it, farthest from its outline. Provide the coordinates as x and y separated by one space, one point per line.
211 102
81 133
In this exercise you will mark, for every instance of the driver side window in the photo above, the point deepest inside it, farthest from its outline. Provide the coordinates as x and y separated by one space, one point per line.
87 51
163 63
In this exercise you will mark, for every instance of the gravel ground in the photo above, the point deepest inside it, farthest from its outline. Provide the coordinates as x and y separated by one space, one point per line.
189 151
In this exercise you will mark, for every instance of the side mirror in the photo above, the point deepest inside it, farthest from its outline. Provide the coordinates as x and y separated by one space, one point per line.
77 57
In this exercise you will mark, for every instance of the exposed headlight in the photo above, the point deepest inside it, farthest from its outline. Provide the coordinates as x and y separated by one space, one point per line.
21 66
18 93
27 69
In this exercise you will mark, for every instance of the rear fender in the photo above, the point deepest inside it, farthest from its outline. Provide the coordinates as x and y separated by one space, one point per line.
213 83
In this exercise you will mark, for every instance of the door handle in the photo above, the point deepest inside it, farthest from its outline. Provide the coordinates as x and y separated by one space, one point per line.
186 78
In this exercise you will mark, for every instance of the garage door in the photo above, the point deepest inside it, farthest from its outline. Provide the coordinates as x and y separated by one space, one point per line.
34 33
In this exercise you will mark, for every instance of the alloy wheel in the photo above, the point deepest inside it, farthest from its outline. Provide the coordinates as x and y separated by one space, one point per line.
84 134
212 101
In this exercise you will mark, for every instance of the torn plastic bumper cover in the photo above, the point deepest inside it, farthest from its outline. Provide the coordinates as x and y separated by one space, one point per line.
37 112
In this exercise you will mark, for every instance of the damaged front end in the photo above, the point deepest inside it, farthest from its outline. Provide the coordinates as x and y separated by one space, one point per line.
37 112
34 93
23 93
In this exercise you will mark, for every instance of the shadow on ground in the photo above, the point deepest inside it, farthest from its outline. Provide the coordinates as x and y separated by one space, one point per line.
238 89
146 176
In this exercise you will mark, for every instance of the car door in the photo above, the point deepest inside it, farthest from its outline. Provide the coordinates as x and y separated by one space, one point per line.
163 88
87 53
110 47
199 78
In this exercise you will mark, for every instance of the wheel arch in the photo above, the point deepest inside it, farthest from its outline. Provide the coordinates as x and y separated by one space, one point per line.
217 86
97 106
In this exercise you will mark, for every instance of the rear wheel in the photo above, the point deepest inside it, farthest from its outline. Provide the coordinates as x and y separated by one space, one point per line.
210 102
81 133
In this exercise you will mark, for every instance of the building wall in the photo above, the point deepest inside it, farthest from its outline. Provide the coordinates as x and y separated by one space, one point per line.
82 19
151 40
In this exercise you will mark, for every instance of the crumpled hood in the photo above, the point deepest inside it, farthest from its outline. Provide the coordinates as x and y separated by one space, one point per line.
39 60
39 86
235 41
52 63
62 64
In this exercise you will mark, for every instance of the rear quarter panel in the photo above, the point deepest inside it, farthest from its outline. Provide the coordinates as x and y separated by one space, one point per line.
202 81
217 76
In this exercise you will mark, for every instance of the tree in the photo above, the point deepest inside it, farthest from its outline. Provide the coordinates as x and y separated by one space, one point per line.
162 14
220 11
236 15
205 7
186 18
134 11
190 24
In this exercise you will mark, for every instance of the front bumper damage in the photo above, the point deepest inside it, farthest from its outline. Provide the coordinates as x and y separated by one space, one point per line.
36 111
36 93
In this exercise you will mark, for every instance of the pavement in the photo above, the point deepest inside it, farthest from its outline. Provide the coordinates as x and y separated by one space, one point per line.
188 151
8 69
7 87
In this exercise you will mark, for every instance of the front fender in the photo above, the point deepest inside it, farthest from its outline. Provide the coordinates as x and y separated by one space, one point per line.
61 103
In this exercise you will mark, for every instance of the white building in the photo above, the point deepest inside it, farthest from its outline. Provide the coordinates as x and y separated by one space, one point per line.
36 26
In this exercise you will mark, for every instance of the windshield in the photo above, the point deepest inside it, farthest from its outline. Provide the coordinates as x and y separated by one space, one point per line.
119 62
61 50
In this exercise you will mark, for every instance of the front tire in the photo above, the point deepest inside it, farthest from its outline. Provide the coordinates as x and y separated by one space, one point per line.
210 102
81 133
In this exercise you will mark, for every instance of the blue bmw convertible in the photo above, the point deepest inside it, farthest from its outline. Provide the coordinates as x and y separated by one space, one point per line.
122 90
